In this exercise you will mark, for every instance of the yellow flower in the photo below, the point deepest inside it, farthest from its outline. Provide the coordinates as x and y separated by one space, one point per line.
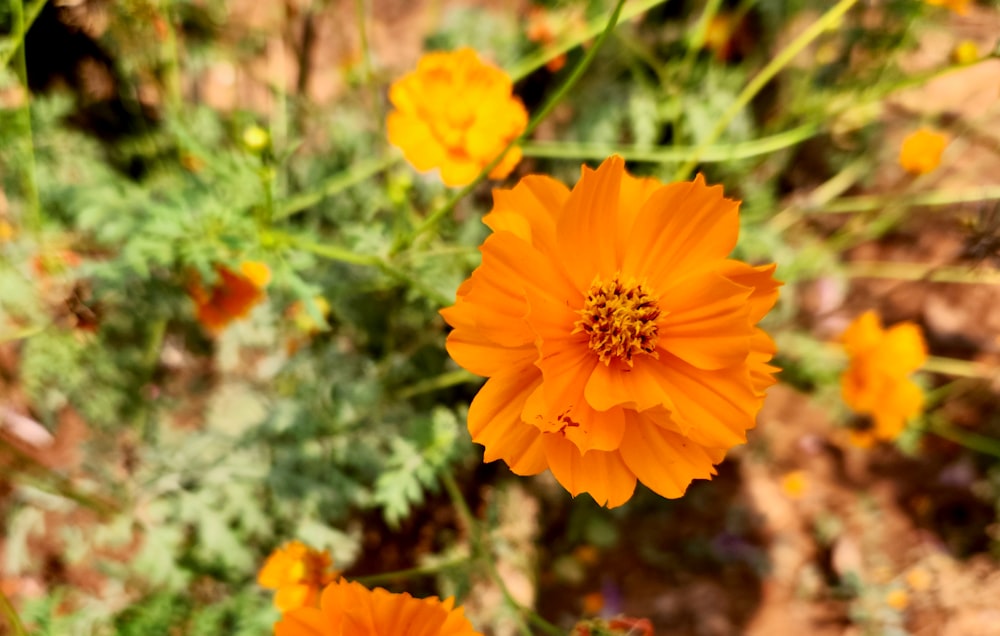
620 340
960 7
966 52
298 573
350 609
456 113
233 295
921 151
897 599
876 383
795 484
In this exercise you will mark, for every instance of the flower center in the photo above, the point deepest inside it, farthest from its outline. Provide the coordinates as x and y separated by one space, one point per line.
620 318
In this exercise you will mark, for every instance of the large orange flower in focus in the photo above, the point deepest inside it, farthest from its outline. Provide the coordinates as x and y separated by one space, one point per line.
456 113
297 573
619 340
350 609
233 295
876 383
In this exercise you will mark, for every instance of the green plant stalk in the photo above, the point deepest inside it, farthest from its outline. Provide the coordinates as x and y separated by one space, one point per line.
957 368
922 272
425 570
172 64
34 220
438 382
676 154
21 26
780 61
12 618
868 203
823 194
697 40
593 28
435 217
367 68
334 185
479 551
968 439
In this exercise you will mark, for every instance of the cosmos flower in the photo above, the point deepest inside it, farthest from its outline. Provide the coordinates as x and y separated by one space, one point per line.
350 609
876 384
298 573
619 339
921 151
232 296
456 113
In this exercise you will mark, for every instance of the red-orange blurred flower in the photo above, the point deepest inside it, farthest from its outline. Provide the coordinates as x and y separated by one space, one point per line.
350 609
921 151
619 338
298 573
876 383
233 295
456 113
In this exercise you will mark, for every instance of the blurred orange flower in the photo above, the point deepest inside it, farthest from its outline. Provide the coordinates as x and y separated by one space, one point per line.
456 113
298 573
876 383
619 339
233 295
960 7
350 609
921 151
541 31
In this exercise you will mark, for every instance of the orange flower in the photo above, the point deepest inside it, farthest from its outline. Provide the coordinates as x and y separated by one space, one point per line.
540 30
921 151
350 609
876 382
960 7
298 573
457 114
619 339
232 297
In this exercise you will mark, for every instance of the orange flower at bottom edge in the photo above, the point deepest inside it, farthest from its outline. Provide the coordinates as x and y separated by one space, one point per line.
298 573
233 295
921 151
620 340
960 7
876 383
350 609
456 113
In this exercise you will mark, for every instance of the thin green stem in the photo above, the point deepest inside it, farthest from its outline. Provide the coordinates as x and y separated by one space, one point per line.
922 272
423 570
331 252
34 217
697 39
957 368
435 217
334 185
172 64
21 27
593 28
968 439
780 61
823 194
868 203
443 381
12 618
676 154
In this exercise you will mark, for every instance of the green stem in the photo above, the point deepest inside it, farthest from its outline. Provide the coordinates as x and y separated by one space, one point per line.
922 272
868 203
30 174
424 570
331 252
12 618
21 27
725 152
537 119
823 194
968 439
334 185
593 28
697 40
780 61
438 382
172 65
955 367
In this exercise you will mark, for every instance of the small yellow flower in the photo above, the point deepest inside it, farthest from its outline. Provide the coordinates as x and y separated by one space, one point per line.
456 113
6 231
876 383
960 7
897 599
255 138
966 52
795 484
298 573
919 579
921 151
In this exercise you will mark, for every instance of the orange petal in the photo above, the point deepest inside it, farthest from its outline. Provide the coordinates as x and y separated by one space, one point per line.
681 228
706 321
635 191
863 334
305 621
905 348
495 422
662 460
536 200
603 475
477 354
293 596
638 387
760 279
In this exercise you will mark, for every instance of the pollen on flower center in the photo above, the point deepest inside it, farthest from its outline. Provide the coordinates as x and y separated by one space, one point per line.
620 318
